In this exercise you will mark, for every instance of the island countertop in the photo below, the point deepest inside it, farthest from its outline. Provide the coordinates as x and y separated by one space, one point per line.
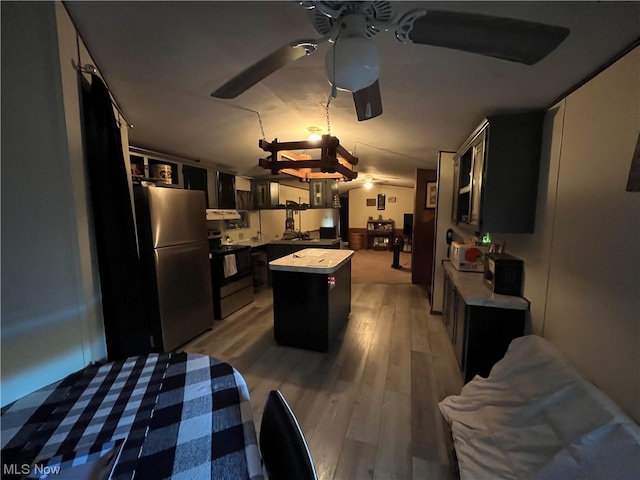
312 260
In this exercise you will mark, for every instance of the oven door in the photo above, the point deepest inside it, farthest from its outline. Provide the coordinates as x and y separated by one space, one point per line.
232 266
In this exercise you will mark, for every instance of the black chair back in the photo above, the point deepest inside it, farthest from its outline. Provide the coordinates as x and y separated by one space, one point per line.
284 449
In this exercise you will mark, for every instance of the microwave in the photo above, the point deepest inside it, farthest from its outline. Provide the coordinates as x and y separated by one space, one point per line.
503 273
468 257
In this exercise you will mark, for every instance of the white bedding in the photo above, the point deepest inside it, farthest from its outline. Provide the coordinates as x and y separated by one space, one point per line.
537 417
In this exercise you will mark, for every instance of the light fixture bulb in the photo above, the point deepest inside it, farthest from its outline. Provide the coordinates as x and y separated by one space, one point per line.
368 184
352 63
314 137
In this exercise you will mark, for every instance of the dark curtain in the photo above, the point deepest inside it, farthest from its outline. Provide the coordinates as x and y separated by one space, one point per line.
126 327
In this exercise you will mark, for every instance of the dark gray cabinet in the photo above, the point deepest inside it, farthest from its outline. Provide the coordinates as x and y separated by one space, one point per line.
266 194
324 193
195 178
480 335
496 175
226 187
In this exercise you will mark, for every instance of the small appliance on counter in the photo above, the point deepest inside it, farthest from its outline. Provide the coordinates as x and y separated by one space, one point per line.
503 273
328 232
468 257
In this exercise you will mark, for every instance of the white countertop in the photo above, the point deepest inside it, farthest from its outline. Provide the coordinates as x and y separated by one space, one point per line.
312 260
254 242
474 292
311 242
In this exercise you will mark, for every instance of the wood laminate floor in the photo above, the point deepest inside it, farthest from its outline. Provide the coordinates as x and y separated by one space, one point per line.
369 406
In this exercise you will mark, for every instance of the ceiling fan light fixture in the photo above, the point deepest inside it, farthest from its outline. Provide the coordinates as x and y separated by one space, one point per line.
353 63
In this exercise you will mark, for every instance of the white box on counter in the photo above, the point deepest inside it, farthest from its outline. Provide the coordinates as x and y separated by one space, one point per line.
468 257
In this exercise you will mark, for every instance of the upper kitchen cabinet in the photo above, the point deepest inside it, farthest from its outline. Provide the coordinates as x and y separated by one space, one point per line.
496 175
266 194
226 186
195 178
324 193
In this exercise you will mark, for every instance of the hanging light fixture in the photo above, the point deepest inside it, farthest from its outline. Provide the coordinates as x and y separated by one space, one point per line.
334 162
315 134
368 182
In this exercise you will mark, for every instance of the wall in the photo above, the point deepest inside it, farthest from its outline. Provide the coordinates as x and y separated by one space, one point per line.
51 317
583 262
443 223
359 212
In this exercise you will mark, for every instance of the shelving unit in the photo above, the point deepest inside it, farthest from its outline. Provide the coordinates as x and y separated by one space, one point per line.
380 234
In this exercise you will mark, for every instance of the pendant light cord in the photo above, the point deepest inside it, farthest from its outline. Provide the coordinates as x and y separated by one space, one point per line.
261 126
328 118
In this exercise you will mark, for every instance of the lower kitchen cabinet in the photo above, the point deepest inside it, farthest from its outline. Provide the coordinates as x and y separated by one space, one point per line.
480 324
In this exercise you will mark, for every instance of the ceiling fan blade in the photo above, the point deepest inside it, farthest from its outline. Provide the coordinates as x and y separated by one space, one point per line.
509 39
265 67
368 102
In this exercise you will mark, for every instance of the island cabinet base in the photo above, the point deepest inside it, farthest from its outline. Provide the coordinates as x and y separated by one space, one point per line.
310 309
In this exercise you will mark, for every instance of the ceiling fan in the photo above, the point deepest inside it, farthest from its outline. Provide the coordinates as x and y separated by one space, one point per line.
353 63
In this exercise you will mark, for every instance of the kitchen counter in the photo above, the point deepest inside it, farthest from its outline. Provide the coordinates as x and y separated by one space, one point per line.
314 242
312 260
258 242
474 292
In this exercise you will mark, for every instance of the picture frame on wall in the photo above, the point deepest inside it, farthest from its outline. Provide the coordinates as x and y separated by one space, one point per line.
432 195
371 202
381 201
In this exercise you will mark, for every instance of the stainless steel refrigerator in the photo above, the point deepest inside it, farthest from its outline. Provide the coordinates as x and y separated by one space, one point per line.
174 255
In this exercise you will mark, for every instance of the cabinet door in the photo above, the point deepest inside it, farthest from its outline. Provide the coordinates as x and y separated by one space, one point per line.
322 193
447 310
196 179
476 179
455 217
226 190
316 193
460 332
266 194
490 331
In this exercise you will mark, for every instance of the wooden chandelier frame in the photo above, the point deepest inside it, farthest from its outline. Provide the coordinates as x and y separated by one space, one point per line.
334 162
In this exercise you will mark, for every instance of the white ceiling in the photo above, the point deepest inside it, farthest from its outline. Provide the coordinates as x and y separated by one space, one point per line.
162 60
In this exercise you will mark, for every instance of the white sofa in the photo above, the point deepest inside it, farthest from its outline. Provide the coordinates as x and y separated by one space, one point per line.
538 417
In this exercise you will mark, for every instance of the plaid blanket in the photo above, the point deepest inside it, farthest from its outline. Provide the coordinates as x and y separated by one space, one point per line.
151 417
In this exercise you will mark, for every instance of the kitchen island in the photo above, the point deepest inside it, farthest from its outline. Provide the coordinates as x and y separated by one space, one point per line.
311 297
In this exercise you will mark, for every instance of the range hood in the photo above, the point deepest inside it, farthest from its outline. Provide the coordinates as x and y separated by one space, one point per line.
222 214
